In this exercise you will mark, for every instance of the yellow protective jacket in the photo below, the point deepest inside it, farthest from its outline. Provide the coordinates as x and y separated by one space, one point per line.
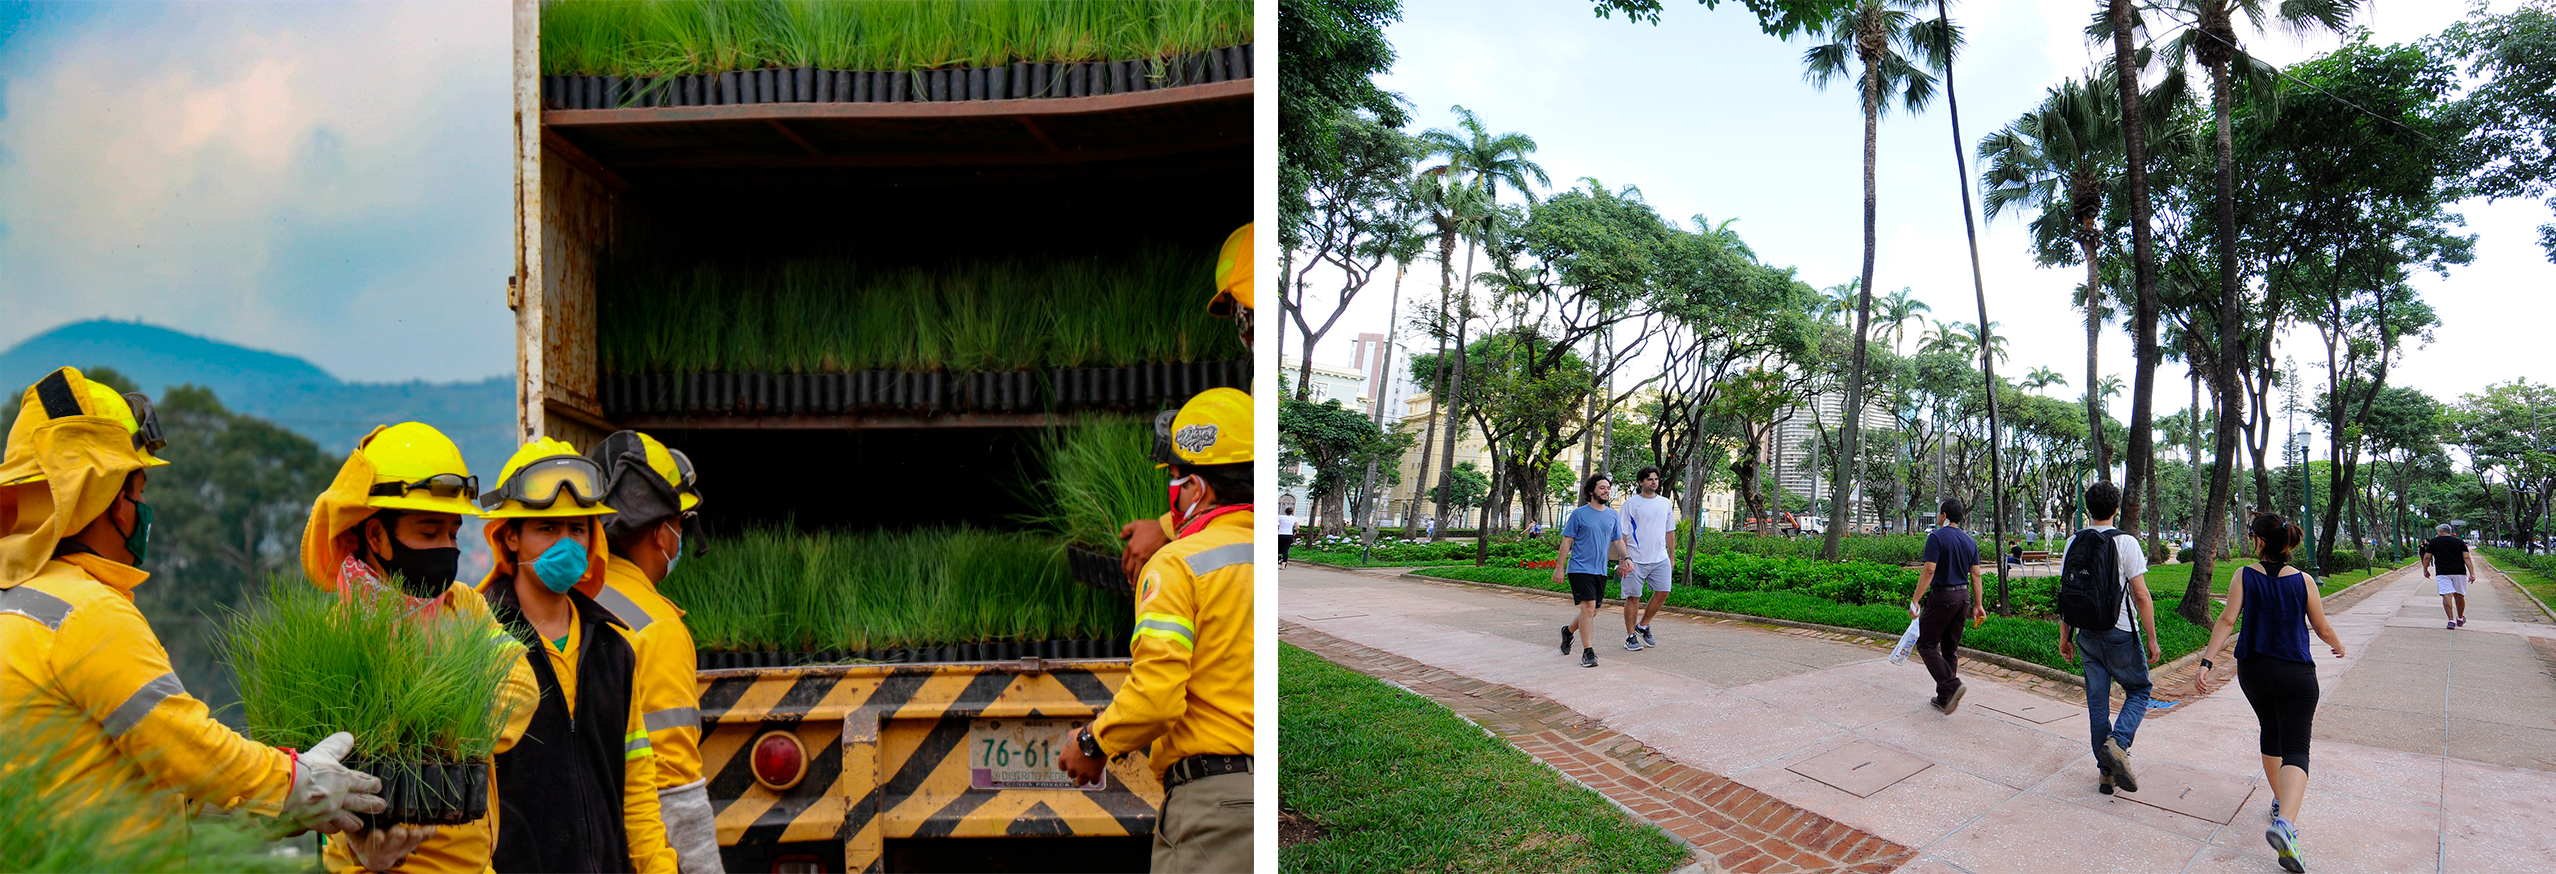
78 653
643 827
465 848
1189 692
669 696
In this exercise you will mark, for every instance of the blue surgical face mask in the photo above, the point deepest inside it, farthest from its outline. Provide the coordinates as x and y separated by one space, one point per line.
675 557
562 565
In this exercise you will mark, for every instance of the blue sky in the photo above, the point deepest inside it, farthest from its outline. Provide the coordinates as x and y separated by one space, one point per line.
1706 115
324 180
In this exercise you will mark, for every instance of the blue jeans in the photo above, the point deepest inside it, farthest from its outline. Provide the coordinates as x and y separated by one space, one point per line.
2113 656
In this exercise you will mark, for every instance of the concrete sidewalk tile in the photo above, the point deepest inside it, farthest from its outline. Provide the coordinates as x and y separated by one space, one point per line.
2341 833
2037 834
2202 795
1985 745
2378 774
2389 729
2498 819
1838 700
1724 732
1861 768
1928 865
2498 744
2525 711
1729 667
1621 685
1915 811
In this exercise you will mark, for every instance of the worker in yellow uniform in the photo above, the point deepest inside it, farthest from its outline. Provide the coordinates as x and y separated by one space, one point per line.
74 529
1232 299
579 791
1188 695
653 493
391 520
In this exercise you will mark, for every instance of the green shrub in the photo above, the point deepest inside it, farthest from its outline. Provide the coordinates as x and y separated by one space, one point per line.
775 588
678 37
411 687
2346 560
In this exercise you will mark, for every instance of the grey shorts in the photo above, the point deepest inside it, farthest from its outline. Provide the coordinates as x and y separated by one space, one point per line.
1655 575
2452 584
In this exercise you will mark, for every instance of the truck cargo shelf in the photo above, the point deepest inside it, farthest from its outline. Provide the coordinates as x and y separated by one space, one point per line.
881 398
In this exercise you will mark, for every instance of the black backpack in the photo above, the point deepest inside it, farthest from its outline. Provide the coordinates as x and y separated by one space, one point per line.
2090 583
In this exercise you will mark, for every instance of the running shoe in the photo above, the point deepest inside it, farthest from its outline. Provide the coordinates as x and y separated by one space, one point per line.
1632 644
1588 657
2462 621
1647 640
2117 761
2276 810
2453 624
1566 640
2284 839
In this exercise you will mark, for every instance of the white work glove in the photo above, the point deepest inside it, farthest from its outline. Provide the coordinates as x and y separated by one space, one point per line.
383 849
327 795
690 829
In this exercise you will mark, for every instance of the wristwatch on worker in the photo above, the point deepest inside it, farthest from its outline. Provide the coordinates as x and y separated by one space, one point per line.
1090 745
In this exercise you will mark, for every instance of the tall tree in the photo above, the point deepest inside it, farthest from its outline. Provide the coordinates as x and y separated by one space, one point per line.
1882 36
2058 157
1353 223
1453 209
2122 21
1330 52
2514 104
2211 41
1472 150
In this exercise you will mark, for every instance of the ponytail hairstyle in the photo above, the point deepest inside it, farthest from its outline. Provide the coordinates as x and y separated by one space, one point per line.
2279 537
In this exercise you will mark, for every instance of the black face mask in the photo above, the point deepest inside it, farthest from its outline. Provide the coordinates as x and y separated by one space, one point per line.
423 573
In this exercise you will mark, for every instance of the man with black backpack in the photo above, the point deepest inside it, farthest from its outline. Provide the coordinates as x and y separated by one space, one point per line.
2104 572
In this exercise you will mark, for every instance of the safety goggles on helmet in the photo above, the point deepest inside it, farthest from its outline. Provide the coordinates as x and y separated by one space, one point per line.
442 485
146 424
1163 438
541 483
684 476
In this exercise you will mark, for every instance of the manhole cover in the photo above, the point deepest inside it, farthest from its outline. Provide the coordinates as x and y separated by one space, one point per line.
1861 768
1336 614
2036 712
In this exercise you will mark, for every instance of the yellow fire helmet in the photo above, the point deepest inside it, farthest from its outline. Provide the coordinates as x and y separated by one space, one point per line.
409 466
69 451
546 477
1213 428
1233 275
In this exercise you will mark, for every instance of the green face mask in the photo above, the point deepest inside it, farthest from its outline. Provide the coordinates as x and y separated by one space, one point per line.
138 541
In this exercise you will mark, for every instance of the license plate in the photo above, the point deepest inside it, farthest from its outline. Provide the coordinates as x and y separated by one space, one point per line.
1022 754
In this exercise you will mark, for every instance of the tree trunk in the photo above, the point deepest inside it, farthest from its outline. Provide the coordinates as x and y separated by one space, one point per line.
1438 392
1455 407
2141 466
1367 492
2097 449
1841 476
2196 594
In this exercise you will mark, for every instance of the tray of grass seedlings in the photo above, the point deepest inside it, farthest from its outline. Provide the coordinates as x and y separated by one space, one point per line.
416 689
773 597
1099 476
611 54
835 335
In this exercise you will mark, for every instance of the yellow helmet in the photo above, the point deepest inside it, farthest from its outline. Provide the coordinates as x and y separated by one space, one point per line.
64 393
70 452
1213 428
545 478
676 467
1233 275
416 467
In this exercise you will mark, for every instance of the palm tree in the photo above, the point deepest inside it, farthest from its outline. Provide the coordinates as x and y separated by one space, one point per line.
1453 209
1403 242
1897 311
1487 158
2058 157
2043 377
2211 41
1881 35
2117 21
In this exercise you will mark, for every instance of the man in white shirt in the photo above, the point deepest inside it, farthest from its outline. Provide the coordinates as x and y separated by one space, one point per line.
2113 654
1286 532
1650 522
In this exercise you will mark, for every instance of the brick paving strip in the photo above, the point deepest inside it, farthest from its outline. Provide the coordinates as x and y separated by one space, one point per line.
1739 829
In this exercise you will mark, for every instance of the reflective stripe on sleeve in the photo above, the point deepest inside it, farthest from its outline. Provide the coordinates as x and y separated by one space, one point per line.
673 717
1167 627
636 745
35 605
1208 561
628 611
130 713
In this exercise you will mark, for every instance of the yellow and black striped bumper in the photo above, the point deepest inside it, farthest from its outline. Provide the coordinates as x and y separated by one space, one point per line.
884 757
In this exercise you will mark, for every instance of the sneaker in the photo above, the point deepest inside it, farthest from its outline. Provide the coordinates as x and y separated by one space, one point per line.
1588 657
2462 621
1632 644
2453 623
2284 839
1952 702
1647 640
2105 786
2117 762
2276 810
1566 640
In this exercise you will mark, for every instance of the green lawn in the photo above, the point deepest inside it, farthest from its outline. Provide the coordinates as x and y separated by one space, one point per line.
1399 783
2030 638
2538 577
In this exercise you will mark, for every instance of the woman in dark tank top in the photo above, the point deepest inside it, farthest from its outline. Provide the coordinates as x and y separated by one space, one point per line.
2278 605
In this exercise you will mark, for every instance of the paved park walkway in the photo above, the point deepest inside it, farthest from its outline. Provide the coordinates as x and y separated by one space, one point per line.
2436 749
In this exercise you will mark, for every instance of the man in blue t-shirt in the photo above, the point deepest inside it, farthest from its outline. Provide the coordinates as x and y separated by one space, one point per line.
1590 536
1947 584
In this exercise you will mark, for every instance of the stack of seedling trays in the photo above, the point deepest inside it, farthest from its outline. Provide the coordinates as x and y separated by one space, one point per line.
1099 477
617 54
783 597
837 335
418 690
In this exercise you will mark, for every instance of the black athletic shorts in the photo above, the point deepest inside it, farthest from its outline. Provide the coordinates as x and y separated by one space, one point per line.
1588 587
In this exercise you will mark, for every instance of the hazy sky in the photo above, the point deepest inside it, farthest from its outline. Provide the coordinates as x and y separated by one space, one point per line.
1706 115
324 180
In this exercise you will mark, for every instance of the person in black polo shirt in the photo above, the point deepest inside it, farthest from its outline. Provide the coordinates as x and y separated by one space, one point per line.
1945 585
2446 556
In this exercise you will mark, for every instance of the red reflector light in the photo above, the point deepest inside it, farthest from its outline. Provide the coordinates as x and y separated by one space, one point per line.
779 760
